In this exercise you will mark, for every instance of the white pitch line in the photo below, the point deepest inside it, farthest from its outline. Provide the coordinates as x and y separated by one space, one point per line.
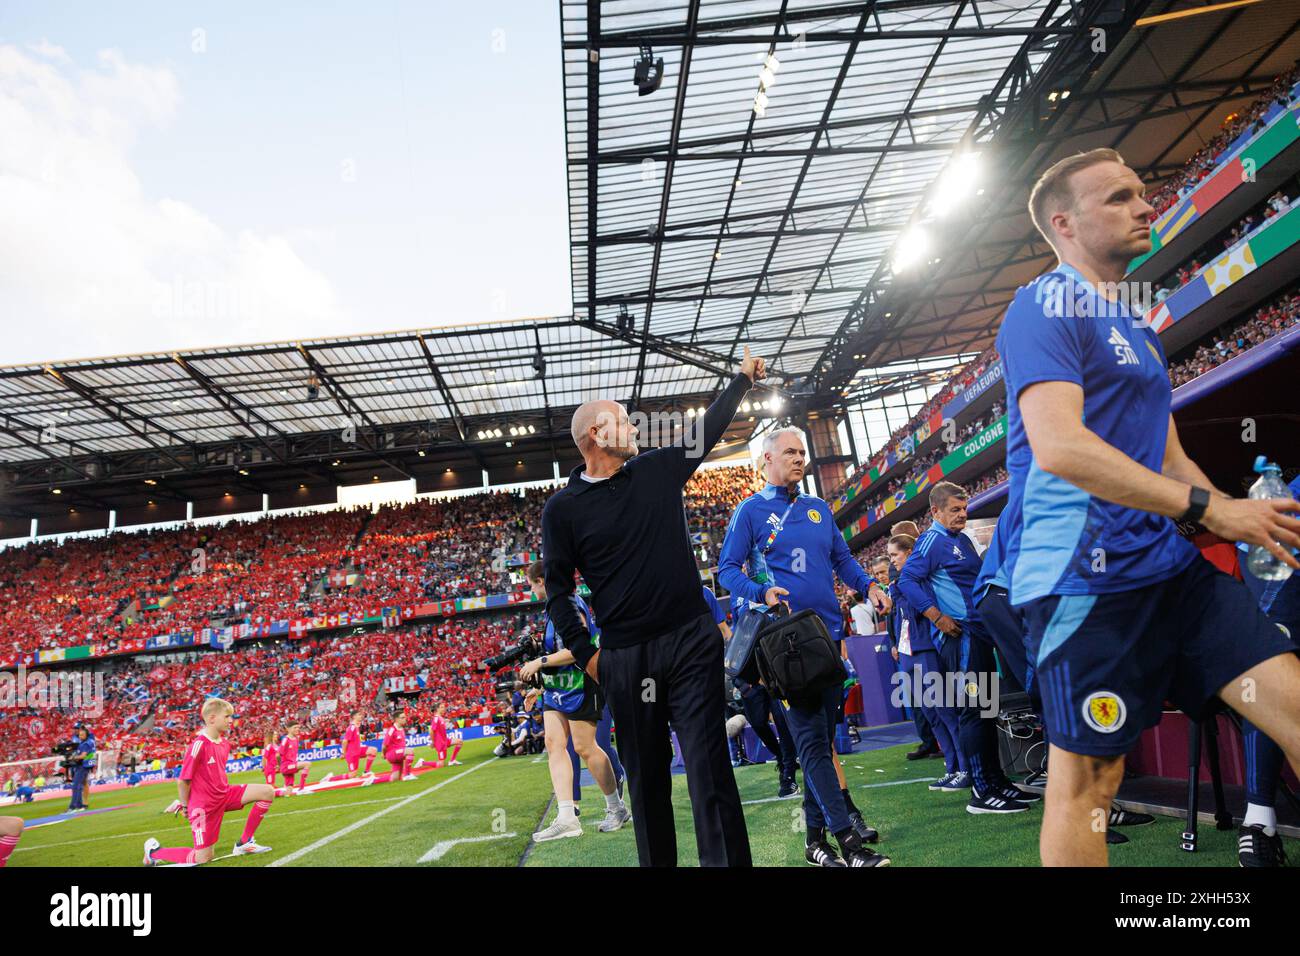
351 827
439 850
154 831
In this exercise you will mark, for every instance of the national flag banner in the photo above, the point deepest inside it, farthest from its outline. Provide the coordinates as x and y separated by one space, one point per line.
345 620
448 608
331 620
131 644
299 627
50 656
473 603
1174 221
1189 298
1279 235
353 579
338 578
1211 191
1159 318
1230 267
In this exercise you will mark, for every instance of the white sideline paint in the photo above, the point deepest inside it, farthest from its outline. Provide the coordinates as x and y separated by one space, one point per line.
154 832
869 786
439 850
351 827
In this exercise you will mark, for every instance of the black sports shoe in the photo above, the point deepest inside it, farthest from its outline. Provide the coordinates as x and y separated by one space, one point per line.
864 857
920 753
1119 817
788 788
1011 791
1255 848
1036 779
1115 838
821 853
993 802
865 833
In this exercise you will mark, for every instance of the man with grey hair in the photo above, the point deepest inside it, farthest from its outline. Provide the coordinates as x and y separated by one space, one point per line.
794 551
620 521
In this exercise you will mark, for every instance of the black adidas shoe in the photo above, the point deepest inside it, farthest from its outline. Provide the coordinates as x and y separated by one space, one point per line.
821 853
865 833
1119 817
993 802
1256 849
1012 792
864 857
788 788
1115 838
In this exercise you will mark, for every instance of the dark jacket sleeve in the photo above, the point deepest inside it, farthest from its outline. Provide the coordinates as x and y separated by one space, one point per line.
561 592
707 430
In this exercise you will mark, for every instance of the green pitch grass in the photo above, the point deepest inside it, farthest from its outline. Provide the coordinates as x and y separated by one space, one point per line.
497 804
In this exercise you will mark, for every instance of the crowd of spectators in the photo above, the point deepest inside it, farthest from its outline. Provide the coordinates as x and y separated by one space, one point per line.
1203 162
1232 339
125 585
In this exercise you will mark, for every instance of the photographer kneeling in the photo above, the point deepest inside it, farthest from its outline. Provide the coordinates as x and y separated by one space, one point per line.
571 706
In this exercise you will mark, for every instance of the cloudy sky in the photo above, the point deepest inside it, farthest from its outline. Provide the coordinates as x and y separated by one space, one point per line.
184 175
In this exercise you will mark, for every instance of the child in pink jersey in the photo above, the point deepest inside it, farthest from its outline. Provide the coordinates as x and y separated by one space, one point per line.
442 736
395 752
206 795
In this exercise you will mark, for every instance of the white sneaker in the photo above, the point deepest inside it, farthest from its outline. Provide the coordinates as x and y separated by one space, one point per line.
615 817
327 778
149 846
252 846
455 763
558 831
368 780
419 763
410 776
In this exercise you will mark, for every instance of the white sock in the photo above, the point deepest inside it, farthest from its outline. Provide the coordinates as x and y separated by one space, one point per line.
1264 816
612 801
566 814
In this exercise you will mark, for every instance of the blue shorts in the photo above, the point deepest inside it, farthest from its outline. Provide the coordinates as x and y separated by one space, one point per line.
1107 663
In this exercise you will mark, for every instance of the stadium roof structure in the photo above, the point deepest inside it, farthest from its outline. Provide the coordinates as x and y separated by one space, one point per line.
697 225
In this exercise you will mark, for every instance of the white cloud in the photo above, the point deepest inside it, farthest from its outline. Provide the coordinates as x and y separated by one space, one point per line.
90 264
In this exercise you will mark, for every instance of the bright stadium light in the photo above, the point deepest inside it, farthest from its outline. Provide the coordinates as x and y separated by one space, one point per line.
690 413
957 184
911 249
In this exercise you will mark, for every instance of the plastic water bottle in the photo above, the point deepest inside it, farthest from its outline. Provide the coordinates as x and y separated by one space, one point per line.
1263 563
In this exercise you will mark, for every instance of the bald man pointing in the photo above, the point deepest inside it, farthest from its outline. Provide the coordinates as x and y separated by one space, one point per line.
620 521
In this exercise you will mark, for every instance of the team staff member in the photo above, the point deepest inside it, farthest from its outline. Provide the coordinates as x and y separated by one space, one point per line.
1258 842
572 708
82 761
757 706
621 522
1122 613
918 656
929 746
938 581
794 550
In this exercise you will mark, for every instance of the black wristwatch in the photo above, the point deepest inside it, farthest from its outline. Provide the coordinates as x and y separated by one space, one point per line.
1200 500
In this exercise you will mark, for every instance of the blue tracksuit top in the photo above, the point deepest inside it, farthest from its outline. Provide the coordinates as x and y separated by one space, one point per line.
941 570
806 554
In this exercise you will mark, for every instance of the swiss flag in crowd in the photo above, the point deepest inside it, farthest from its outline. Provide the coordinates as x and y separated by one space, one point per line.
448 608
408 613
338 579
298 628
